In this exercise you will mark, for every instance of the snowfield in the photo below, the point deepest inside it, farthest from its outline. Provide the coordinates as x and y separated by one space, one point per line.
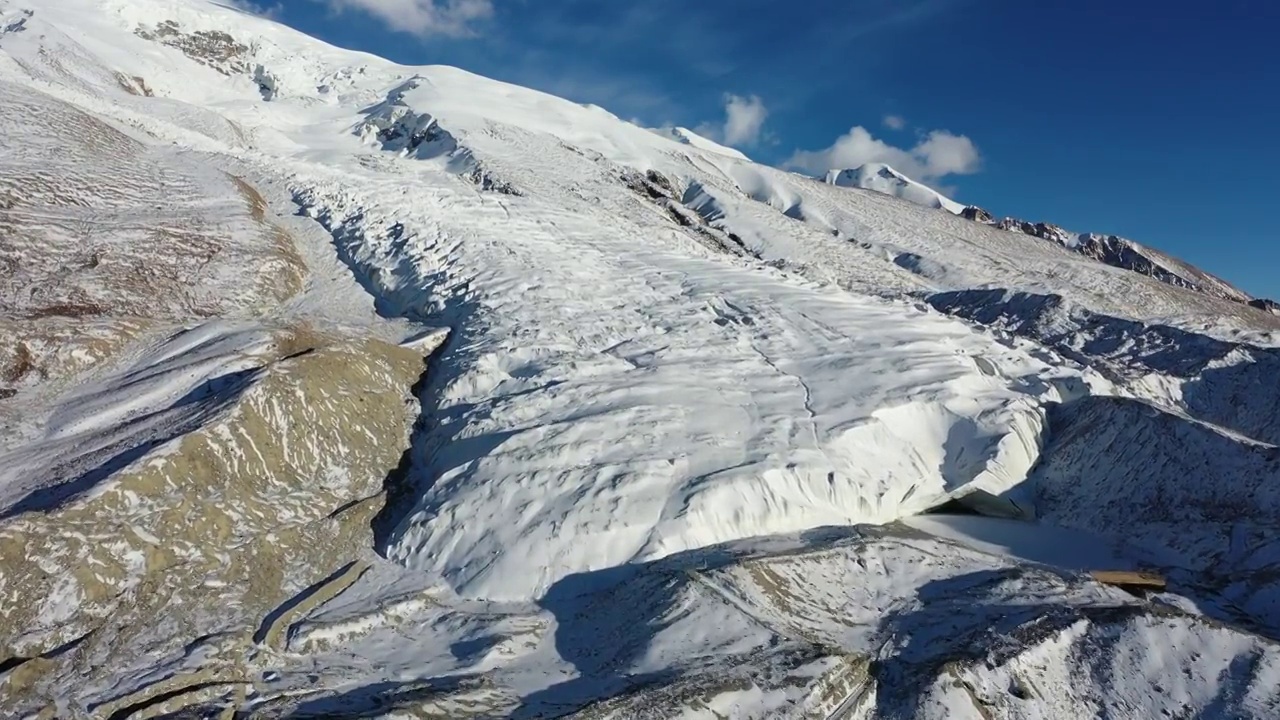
398 391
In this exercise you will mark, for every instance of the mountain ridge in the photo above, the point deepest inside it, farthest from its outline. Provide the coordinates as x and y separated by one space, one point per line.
1107 249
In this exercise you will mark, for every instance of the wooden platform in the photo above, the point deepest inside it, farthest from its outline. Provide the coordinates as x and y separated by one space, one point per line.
1129 579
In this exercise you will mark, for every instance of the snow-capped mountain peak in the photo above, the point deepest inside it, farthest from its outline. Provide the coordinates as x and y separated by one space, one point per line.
882 178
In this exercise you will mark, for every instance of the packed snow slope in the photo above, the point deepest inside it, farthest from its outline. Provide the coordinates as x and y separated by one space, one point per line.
657 467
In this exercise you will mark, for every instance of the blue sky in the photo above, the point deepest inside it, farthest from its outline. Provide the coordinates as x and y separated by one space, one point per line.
1159 121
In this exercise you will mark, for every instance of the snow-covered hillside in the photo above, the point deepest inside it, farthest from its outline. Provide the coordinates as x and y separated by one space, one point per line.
1107 249
334 387
689 137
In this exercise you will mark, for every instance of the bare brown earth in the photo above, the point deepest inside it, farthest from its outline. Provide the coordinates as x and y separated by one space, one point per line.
103 238
213 543
218 540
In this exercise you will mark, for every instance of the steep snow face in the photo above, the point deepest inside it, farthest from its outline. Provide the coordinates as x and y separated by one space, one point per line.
1196 374
1220 477
883 179
467 102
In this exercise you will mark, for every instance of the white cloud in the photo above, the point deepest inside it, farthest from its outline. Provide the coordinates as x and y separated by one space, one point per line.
946 154
744 121
423 17
938 154
894 122
745 118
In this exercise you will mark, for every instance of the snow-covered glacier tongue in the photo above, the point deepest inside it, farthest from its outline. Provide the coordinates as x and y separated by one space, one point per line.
616 392
661 414
669 461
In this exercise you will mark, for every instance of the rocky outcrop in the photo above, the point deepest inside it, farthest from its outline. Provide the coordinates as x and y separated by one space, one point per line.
214 49
267 84
399 127
15 22
198 540
1044 231
396 126
1118 252
1121 253
685 207
1266 304
976 214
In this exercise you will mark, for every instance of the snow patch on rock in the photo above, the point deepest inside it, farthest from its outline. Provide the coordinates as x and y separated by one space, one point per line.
399 127
14 21
267 84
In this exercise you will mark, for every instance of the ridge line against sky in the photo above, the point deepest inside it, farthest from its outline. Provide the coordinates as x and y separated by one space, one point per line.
1143 120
